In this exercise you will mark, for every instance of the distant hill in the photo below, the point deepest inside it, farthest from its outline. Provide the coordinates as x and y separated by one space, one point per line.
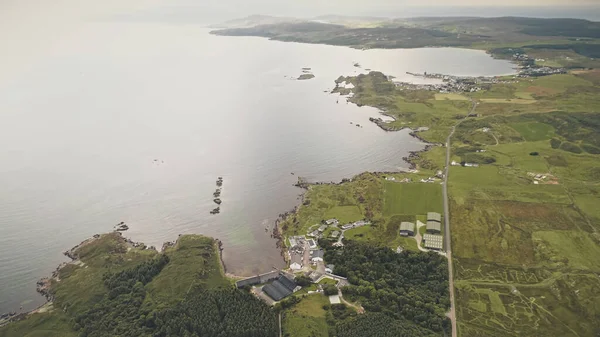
254 20
374 32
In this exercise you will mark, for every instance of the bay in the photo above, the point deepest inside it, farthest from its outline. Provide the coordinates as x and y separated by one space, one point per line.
134 122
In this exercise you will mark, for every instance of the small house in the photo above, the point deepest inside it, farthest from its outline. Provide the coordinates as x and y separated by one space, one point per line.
317 255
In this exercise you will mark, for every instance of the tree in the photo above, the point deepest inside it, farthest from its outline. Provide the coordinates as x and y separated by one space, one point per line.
303 281
330 289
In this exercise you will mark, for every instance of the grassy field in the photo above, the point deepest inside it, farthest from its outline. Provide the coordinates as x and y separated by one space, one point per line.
193 261
451 97
415 198
508 100
49 324
307 318
523 251
345 214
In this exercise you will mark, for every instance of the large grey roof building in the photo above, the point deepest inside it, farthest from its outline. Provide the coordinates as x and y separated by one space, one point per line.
434 227
262 278
407 229
280 288
433 216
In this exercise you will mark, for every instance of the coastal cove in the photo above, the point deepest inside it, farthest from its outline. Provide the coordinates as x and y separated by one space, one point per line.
136 129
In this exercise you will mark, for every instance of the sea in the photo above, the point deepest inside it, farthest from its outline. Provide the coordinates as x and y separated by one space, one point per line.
134 122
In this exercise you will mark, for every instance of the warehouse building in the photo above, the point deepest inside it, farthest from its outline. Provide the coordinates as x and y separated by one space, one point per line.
433 216
434 227
281 288
407 229
432 241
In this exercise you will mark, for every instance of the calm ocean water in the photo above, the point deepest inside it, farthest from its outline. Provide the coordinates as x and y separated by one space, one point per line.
135 121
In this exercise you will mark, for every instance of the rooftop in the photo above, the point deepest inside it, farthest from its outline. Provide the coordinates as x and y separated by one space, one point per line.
434 225
280 288
407 226
317 253
434 216
433 241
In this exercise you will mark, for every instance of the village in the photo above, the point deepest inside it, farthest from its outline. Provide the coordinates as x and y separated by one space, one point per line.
306 260
462 84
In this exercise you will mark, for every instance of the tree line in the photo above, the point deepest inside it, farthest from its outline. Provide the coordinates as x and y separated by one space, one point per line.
406 286
224 312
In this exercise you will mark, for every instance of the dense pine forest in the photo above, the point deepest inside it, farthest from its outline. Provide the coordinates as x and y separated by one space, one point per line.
402 286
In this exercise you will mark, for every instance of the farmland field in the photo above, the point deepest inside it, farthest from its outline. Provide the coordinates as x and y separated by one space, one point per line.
307 318
523 248
416 198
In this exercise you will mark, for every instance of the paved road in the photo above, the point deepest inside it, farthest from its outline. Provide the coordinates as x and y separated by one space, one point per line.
448 240
280 330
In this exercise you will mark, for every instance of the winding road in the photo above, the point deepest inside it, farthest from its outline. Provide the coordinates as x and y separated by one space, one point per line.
448 241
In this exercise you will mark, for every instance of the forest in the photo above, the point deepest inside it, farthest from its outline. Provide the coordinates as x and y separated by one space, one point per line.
224 312
406 286
380 325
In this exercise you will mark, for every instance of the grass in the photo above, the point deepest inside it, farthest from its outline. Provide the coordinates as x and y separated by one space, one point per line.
574 249
523 252
49 324
413 198
345 214
307 318
82 286
364 193
508 100
534 131
451 97
328 281
194 260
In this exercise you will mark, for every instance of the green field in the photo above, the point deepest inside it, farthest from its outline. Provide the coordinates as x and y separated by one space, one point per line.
307 318
191 257
573 249
508 100
50 324
451 97
533 131
415 198
345 214
522 251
